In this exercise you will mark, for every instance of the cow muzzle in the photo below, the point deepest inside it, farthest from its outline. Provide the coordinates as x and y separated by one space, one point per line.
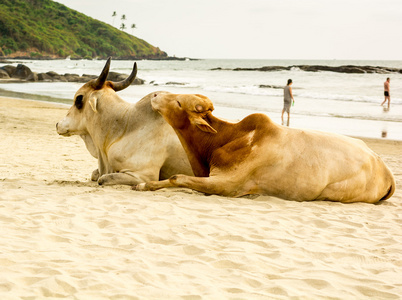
157 100
62 131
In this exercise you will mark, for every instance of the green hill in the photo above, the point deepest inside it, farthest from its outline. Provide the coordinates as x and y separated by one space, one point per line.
43 28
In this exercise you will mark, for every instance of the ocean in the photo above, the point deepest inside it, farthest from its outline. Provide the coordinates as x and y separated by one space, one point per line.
337 102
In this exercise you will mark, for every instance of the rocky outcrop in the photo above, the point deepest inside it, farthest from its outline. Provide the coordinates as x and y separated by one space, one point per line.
22 72
175 83
4 74
10 70
264 69
33 77
44 77
319 68
271 86
116 77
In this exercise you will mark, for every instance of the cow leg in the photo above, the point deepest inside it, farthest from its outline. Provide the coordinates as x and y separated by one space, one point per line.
124 178
208 185
153 185
216 185
341 191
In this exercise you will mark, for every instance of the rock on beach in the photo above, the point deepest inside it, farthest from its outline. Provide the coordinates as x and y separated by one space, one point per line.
24 73
319 68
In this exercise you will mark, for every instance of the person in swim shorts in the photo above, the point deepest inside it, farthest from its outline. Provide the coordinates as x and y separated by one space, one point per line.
387 92
287 100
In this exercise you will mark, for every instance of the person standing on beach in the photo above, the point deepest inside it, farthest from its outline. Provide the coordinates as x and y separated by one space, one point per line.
287 100
387 92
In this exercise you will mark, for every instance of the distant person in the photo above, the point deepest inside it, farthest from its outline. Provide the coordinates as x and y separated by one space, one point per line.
387 92
287 100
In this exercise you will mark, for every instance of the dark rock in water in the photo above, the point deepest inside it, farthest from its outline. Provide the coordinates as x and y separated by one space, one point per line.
22 71
72 77
340 69
52 74
219 69
56 77
175 83
71 74
85 78
62 79
9 69
32 77
138 81
116 77
274 68
44 77
89 76
352 69
268 86
4 74
264 69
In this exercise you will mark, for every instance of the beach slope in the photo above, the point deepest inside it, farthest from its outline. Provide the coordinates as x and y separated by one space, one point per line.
65 236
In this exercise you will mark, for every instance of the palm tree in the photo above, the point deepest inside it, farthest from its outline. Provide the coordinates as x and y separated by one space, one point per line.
132 28
123 26
114 16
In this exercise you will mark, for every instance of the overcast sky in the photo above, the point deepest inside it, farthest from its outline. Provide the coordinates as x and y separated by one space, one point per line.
260 29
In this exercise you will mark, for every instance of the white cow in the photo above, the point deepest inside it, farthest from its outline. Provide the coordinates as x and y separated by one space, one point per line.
257 156
132 143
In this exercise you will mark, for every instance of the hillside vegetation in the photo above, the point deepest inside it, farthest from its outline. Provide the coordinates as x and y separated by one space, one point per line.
43 28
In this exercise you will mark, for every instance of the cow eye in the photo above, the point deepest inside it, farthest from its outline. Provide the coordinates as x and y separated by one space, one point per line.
78 102
179 103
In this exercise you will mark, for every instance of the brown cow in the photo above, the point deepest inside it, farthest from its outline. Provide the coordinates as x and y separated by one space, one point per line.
257 156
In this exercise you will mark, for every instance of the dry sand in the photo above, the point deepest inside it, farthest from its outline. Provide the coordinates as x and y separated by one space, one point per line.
64 236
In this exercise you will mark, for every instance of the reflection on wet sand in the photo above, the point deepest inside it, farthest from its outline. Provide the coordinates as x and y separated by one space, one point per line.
384 131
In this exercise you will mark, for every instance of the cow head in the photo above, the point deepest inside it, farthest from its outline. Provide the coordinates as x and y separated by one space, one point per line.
183 110
86 101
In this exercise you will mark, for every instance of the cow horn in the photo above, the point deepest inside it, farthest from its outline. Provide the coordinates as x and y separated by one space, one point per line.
102 77
121 85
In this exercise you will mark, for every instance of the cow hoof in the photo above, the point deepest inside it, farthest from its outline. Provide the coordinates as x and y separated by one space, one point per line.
140 187
95 175
102 180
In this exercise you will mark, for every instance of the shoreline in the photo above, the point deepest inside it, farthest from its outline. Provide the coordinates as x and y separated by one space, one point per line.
65 236
372 141
302 116
67 104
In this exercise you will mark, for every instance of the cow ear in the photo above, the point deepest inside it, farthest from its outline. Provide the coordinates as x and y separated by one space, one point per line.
203 125
93 102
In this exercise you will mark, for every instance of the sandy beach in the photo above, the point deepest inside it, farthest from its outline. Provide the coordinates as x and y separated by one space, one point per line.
64 236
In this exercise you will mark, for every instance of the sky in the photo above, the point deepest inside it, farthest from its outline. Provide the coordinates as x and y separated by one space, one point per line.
259 29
